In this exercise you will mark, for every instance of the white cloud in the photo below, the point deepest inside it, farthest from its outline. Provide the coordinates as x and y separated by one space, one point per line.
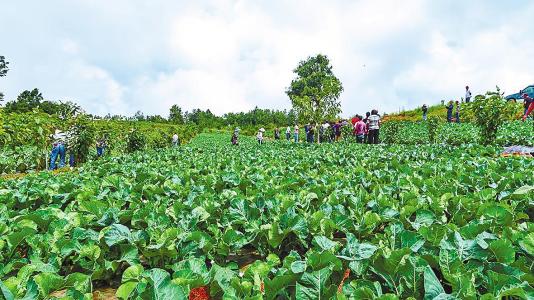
123 56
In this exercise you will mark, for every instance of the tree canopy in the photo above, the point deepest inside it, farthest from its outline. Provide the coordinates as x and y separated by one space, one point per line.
3 72
315 91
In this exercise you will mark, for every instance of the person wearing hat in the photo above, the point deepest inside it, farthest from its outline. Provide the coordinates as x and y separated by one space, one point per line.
259 136
235 137
296 133
58 149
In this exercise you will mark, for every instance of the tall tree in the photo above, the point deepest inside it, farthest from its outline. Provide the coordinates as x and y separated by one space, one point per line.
315 91
3 72
26 101
176 116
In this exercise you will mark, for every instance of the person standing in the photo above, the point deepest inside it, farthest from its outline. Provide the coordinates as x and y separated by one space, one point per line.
530 107
360 129
58 149
259 136
425 111
101 145
450 108
467 95
277 133
374 127
311 133
366 121
175 140
296 133
235 137
337 130
306 129
457 112
288 133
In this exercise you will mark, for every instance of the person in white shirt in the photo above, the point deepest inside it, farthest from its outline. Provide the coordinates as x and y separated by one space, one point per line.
288 133
467 95
175 140
259 136
58 149
374 127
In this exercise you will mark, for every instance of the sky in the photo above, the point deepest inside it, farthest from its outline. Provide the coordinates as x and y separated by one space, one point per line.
122 56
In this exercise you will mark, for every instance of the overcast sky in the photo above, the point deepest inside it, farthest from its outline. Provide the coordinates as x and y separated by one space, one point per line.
121 56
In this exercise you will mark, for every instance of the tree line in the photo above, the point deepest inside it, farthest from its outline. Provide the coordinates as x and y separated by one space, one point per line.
314 95
28 101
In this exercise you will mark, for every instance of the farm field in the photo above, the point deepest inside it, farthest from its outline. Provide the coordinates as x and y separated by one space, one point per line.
277 221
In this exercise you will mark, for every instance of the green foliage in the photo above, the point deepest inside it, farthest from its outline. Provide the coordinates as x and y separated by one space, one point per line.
432 126
176 116
25 137
4 68
26 102
391 131
490 112
425 221
3 72
135 140
315 91
64 110
81 138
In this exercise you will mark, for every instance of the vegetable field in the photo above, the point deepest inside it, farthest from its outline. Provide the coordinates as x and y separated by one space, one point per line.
277 221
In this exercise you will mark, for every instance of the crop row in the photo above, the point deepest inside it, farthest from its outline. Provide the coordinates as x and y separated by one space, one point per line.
280 221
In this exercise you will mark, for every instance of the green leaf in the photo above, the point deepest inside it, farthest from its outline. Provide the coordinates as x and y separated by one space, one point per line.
125 290
6 293
48 282
503 250
163 287
324 243
132 273
313 285
524 190
277 284
527 244
116 234
79 282
298 266
433 288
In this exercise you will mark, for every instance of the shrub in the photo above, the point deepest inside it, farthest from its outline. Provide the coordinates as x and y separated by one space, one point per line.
135 140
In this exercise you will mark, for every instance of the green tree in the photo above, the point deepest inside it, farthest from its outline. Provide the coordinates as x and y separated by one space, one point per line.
26 101
3 72
81 137
489 112
176 116
139 116
315 91
64 110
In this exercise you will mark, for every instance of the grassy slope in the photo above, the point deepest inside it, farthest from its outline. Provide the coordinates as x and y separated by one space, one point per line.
416 114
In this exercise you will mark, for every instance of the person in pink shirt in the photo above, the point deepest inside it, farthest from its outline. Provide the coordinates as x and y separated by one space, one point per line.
360 128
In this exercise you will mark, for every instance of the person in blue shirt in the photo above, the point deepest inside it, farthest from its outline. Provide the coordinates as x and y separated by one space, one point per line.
450 108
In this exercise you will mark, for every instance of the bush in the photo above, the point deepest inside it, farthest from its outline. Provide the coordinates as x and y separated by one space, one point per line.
432 125
489 113
135 140
81 138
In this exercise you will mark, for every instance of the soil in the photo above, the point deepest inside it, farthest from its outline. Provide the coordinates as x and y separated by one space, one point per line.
98 294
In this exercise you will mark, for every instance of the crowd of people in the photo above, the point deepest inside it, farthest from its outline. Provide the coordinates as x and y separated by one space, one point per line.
364 130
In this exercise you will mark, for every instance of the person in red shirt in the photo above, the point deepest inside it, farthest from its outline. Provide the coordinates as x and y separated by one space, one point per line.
360 129
530 108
